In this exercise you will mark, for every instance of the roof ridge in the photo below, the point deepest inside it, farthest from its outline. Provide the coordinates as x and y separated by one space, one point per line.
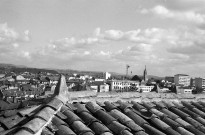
42 118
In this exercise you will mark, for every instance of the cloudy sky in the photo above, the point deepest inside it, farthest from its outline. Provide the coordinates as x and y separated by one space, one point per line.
168 36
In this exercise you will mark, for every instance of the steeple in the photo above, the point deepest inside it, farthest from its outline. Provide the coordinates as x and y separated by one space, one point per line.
145 74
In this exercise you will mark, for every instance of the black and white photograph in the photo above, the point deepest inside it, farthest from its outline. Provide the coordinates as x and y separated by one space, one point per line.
102 67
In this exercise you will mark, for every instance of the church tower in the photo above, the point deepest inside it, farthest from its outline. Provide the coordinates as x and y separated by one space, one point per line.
145 74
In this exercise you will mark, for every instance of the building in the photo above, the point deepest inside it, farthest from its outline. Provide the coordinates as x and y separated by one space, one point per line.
200 83
100 86
181 90
182 79
99 79
192 82
144 88
107 75
123 85
169 79
145 75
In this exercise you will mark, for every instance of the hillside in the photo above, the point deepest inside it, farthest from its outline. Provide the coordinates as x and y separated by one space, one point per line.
19 68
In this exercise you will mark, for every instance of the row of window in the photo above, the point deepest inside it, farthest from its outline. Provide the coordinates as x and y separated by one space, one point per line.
118 83
121 88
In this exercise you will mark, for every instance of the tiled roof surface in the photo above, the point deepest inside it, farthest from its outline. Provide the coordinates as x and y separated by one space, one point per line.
60 116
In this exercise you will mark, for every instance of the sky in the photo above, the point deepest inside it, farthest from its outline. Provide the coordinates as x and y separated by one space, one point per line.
168 36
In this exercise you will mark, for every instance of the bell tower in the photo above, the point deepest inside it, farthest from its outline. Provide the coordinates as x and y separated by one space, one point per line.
145 74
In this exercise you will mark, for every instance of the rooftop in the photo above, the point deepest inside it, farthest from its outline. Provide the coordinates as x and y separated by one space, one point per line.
86 113
181 75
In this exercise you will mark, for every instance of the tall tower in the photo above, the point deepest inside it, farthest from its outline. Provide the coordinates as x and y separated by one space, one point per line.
127 67
145 74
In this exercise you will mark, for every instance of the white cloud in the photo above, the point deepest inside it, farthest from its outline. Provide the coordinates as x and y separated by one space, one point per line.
97 32
104 53
160 10
113 34
187 15
156 46
148 36
10 36
86 52
7 35
15 45
25 54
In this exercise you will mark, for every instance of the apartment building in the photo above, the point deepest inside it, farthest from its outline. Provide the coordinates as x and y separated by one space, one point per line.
200 83
182 79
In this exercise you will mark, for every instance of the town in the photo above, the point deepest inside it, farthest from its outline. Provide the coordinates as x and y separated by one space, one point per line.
25 85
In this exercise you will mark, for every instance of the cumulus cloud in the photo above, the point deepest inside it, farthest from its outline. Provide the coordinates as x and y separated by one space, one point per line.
156 46
7 35
11 45
184 5
148 36
189 15
10 36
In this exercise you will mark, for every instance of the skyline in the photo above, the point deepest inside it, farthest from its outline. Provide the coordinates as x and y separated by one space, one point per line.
165 35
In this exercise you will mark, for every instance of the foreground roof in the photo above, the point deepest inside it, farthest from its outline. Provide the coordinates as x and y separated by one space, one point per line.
57 115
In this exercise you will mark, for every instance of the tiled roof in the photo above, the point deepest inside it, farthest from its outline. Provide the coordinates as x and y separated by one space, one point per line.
58 115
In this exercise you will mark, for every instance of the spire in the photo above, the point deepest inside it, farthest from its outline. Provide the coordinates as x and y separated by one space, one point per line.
145 73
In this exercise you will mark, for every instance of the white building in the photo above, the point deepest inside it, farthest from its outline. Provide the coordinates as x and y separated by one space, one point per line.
107 75
123 85
100 87
182 79
181 90
99 79
144 88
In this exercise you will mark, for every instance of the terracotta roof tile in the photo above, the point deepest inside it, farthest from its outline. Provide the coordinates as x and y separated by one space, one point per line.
23 132
151 130
71 117
87 118
34 125
198 105
80 128
52 127
183 131
55 103
46 131
28 111
46 113
64 130
61 115
99 128
117 128
93 107
57 121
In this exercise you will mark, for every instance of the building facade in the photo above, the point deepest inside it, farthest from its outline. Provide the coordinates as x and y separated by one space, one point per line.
144 88
107 75
182 79
123 85
200 83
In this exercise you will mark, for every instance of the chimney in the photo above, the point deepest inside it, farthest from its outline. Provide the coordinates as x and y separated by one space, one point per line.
14 99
